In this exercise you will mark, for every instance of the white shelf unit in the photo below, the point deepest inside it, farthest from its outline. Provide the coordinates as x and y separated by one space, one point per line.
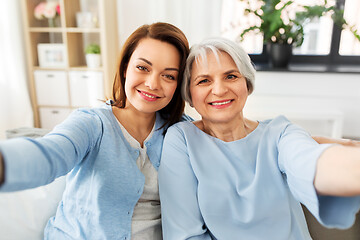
57 90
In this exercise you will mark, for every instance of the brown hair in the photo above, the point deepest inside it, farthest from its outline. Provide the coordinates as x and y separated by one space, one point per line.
164 32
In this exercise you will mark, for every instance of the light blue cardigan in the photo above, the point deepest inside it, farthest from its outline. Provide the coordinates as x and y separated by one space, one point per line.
104 184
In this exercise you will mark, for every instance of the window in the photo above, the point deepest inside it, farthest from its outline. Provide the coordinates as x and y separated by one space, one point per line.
233 21
348 44
323 43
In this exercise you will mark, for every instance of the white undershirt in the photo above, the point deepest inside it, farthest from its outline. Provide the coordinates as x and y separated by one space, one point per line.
146 219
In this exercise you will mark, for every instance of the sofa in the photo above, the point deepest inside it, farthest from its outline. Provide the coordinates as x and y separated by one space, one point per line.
319 232
24 214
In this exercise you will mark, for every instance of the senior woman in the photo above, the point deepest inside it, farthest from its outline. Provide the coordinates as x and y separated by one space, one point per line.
228 177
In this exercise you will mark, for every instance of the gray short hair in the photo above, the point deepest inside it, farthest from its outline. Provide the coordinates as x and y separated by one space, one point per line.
215 45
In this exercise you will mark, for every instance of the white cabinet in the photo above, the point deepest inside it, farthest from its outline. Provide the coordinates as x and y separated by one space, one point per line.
50 117
86 88
59 92
51 88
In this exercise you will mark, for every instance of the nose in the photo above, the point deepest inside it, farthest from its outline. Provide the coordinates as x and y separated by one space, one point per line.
219 88
152 82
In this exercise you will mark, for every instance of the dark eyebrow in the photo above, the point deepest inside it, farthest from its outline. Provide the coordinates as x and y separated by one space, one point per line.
172 69
145 60
150 63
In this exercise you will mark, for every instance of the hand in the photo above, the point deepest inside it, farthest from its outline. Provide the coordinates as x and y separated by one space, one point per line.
350 143
344 142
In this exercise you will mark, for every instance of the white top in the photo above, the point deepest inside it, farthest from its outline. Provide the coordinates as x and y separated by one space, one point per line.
146 219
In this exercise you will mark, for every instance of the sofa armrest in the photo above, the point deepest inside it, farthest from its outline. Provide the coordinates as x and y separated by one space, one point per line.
319 232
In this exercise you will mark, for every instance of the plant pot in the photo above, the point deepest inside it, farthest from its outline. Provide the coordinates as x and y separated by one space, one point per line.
279 54
93 60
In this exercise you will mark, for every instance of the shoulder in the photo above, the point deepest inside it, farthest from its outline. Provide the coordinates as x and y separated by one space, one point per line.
276 125
160 121
90 120
277 121
103 112
279 129
81 116
283 131
282 124
184 126
90 115
179 131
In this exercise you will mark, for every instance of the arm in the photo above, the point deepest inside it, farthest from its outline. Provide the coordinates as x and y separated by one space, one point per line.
180 213
338 172
35 162
300 158
345 142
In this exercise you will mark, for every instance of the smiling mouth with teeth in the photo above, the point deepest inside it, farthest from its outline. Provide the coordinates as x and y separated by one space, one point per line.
220 103
148 96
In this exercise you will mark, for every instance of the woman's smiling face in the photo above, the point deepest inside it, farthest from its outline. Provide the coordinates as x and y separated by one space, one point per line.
151 75
217 88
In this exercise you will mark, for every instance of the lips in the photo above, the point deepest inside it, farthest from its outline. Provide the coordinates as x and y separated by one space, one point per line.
148 96
221 104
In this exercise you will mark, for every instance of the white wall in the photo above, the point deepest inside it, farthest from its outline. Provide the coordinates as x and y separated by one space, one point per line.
305 97
197 19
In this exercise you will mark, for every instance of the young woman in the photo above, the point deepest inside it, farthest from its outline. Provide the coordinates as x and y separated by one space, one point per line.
113 152
228 177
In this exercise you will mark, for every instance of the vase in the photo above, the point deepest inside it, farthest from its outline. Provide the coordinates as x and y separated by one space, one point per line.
279 54
54 22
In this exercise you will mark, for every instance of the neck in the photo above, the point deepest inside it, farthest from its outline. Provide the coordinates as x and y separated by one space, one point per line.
137 124
229 131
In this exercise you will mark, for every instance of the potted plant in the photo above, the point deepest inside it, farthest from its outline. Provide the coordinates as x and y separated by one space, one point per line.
93 57
283 30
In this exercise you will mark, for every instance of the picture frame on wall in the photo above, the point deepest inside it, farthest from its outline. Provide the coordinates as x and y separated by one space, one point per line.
52 55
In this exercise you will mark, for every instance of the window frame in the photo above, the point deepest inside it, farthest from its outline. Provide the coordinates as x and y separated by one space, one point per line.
333 58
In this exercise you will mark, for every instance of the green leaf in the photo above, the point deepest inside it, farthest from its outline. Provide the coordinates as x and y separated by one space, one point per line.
272 26
92 48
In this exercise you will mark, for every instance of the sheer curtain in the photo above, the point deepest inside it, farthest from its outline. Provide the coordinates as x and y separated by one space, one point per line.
15 107
198 19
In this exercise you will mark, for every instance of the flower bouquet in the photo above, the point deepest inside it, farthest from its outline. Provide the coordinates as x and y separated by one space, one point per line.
47 10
